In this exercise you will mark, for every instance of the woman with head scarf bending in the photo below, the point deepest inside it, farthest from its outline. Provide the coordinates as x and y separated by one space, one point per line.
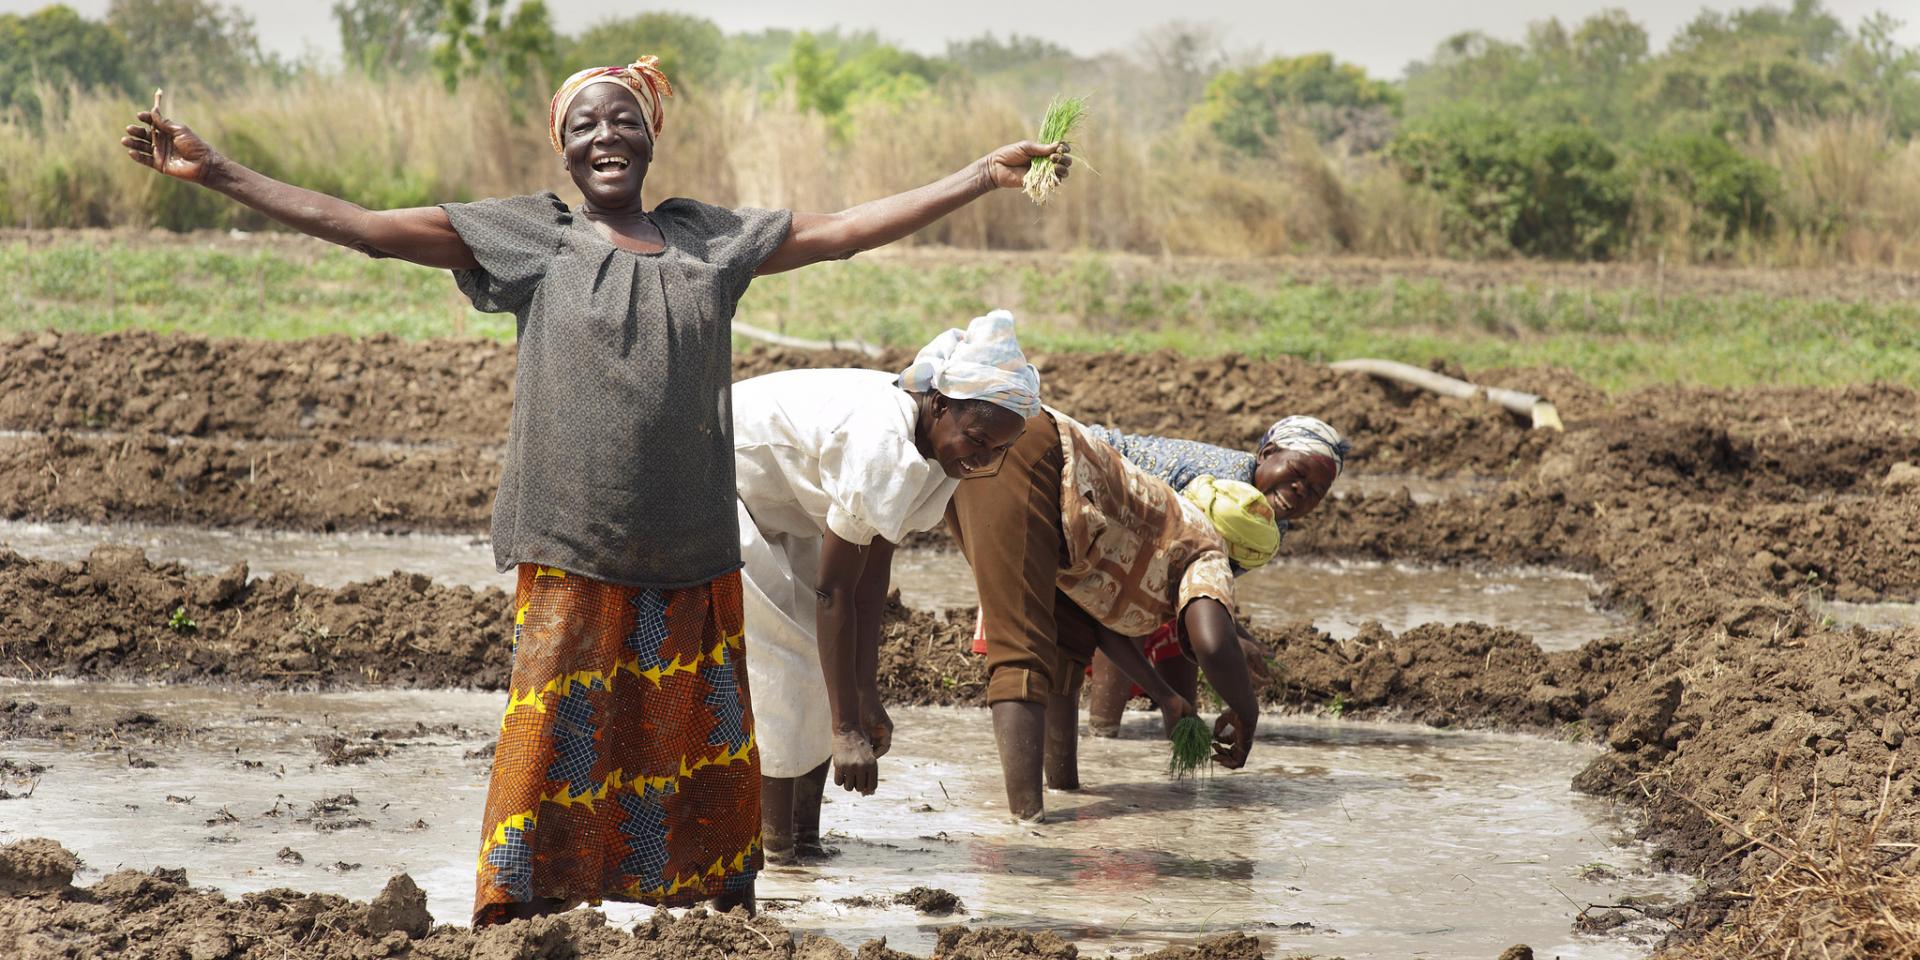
834 468
627 767
1294 466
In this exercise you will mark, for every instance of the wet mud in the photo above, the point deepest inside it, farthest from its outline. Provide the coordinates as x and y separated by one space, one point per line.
1484 828
1715 522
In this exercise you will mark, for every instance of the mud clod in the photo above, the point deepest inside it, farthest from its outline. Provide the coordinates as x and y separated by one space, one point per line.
35 867
401 906
931 901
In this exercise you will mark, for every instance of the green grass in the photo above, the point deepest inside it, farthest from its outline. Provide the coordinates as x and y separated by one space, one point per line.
1616 339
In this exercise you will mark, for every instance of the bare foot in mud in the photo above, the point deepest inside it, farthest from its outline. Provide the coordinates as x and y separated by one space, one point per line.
743 899
811 849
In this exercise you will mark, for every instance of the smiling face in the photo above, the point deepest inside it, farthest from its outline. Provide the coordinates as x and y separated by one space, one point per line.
607 146
1294 481
971 436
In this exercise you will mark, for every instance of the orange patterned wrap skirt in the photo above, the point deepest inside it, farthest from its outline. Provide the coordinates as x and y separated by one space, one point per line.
627 767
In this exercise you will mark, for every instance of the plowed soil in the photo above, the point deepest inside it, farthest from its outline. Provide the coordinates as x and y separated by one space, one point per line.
1711 516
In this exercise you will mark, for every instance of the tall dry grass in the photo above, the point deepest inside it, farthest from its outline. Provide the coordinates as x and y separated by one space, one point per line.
1848 195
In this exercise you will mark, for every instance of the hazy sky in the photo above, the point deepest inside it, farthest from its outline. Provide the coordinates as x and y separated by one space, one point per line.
1381 35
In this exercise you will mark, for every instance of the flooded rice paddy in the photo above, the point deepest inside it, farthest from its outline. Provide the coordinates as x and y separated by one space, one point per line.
1344 838
1554 607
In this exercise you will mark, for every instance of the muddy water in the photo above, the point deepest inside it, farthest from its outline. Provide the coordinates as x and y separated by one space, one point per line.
327 559
1340 838
1891 615
1553 607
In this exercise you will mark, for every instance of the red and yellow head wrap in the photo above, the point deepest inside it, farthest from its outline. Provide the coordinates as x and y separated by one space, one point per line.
642 76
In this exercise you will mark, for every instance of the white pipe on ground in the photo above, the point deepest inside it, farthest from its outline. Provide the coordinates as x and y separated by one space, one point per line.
752 332
1543 413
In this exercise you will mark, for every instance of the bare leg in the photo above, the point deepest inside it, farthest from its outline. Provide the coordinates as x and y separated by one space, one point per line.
776 819
1183 676
1019 728
1063 735
1107 697
743 899
807 794
537 907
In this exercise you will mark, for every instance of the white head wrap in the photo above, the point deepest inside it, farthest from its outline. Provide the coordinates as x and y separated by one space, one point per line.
1309 435
982 362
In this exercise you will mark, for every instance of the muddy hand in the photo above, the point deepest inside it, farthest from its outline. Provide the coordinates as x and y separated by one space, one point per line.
854 765
1173 710
1232 740
1008 165
168 146
879 726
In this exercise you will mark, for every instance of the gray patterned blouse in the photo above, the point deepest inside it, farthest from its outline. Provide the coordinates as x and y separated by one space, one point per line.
620 456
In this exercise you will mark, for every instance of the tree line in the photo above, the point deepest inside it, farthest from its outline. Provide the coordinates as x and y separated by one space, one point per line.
1549 145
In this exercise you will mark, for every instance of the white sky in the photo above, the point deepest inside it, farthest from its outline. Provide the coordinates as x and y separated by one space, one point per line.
1380 35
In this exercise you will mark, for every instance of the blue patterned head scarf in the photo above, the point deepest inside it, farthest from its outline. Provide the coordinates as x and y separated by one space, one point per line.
982 362
1311 436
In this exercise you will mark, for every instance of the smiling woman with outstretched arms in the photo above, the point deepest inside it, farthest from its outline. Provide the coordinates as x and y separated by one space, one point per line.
627 766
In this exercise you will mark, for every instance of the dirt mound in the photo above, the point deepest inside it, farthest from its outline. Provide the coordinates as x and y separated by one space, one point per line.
113 616
130 913
374 388
35 866
460 392
314 485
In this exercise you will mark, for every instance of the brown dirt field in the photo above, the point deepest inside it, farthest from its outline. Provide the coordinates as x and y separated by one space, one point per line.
159 915
460 393
1710 515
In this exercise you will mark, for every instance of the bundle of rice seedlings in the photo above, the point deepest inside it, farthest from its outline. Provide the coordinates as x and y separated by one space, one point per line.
1063 116
1192 747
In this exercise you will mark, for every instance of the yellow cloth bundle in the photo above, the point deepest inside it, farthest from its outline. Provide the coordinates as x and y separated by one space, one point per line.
1242 515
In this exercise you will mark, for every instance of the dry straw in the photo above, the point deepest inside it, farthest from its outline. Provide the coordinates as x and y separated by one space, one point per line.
1064 115
1831 887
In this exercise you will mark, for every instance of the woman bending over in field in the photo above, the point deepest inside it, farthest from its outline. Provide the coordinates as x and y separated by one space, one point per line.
627 767
1295 465
835 467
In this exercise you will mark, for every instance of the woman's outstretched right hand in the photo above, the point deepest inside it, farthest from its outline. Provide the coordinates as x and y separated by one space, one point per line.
168 146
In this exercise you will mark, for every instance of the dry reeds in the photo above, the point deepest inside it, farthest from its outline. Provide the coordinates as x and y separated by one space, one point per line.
1848 194
1828 887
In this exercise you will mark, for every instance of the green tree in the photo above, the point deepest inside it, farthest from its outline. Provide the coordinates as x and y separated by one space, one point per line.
520 48
1547 191
1886 74
58 46
380 37
689 47
827 81
187 42
1729 193
1246 109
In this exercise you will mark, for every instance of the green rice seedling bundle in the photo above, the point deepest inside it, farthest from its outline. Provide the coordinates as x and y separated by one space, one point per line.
1063 117
1192 747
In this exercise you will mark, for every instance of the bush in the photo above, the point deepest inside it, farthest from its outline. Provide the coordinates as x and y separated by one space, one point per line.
1247 109
1549 191
1723 193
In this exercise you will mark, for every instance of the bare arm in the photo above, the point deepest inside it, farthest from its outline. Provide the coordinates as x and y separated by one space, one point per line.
1125 654
1216 644
870 605
842 566
836 236
422 235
